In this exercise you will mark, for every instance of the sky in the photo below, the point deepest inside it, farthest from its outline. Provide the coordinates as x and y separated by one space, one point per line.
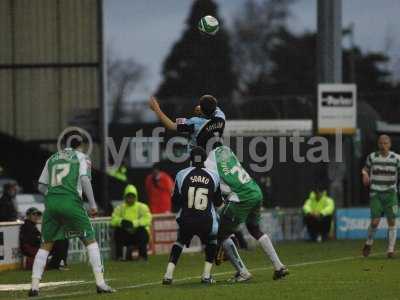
146 29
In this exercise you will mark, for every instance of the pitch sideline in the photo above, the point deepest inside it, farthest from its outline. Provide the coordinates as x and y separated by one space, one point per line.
302 264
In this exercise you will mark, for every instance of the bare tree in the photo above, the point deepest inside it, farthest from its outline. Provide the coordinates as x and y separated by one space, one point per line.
124 75
256 30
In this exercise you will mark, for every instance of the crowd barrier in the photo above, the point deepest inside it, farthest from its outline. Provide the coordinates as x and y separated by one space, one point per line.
163 235
280 224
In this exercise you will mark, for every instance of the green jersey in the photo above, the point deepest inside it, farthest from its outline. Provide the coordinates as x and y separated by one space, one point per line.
236 183
383 171
62 173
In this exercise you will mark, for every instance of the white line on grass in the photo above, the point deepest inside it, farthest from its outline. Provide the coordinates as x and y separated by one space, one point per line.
302 264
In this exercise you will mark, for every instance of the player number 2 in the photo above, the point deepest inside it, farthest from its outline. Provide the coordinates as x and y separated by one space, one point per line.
197 198
58 172
243 176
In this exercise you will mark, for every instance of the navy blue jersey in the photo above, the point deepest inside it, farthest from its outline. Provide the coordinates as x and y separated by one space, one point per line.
197 191
201 129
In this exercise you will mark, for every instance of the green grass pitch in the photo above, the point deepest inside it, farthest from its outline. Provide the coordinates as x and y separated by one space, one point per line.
332 270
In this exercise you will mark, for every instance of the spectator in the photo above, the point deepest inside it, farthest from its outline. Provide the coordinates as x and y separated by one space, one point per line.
132 220
159 187
318 211
30 240
8 211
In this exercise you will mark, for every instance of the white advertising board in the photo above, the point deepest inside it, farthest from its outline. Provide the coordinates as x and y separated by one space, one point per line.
337 108
268 127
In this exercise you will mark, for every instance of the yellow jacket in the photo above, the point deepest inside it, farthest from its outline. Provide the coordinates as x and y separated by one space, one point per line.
138 213
325 206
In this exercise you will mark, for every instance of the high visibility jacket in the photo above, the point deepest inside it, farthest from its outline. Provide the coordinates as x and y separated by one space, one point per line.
324 206
138 213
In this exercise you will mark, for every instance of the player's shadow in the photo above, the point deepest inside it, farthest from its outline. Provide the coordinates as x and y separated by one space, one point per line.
198 285
379 258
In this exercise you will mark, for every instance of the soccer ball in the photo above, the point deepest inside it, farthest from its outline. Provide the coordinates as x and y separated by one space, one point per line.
208 25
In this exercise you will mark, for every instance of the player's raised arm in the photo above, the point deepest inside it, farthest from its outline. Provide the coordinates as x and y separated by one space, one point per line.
164 119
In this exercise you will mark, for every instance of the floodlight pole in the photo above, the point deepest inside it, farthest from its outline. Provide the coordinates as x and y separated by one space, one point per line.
329 70
329 41
103 95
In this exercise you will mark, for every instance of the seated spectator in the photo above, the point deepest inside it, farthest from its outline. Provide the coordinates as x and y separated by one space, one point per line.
132 221
159 187
318 211
8 212
30 240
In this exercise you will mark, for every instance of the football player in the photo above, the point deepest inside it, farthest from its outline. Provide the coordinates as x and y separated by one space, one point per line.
243 198
196 194
64 177
208 125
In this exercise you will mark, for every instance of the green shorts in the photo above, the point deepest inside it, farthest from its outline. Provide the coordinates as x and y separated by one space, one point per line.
236 213
65 218
383 204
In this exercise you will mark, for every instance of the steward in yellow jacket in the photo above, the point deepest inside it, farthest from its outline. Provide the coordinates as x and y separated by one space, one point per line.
132 222
318 210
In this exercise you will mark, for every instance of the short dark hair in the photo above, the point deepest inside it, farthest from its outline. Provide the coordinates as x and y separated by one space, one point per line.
198 156
74 139
156 166
208 105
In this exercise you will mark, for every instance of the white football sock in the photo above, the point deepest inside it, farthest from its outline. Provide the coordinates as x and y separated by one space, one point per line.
392 233
38 267
371 234
269 249
95 260
207 269
233 255
170 271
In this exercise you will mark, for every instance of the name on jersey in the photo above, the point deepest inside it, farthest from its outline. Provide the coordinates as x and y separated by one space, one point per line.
225 169
199 179
66 155
215 126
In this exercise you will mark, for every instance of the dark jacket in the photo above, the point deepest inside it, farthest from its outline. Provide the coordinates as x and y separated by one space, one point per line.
29 238
7 209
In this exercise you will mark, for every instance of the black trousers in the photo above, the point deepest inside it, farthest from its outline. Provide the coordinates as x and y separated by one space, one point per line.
318 226
140 239
58 253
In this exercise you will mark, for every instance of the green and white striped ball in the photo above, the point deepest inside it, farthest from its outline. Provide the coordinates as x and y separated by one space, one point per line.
208 25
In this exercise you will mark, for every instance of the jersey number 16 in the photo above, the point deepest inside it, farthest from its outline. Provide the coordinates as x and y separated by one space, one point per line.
197 198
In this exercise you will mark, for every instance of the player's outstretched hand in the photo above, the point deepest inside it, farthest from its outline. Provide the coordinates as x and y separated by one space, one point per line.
153 104
93 212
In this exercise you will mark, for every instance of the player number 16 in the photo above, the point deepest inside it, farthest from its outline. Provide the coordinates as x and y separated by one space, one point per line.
197 198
